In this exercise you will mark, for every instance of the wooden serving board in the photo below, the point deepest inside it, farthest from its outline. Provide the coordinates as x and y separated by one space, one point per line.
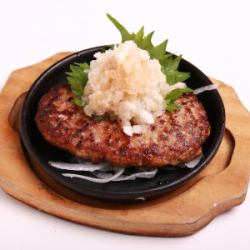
219 187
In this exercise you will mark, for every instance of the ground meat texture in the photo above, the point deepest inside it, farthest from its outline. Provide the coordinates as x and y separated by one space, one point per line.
174 137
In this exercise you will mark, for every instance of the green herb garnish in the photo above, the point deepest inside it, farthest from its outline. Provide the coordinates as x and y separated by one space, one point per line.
78 74
170 69
173 96
77 78
168 62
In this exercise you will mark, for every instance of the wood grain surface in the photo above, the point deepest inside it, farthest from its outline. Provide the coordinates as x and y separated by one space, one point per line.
219 187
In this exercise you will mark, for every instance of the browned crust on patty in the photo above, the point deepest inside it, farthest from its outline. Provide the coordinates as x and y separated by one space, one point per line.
174 137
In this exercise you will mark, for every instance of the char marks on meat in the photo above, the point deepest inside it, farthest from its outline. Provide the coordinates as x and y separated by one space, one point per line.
174 137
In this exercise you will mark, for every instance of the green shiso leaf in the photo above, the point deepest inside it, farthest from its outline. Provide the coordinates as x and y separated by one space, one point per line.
146 42
158 51
168 62
173 96
124 33
137 37
170 69
77 101
77 78
78 74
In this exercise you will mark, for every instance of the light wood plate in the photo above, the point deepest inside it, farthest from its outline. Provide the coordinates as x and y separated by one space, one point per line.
219 187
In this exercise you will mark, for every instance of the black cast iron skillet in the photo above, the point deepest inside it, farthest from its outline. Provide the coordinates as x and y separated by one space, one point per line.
38 152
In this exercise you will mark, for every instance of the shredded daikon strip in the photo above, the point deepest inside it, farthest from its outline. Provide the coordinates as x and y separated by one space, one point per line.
102 171
204 88
93 179
140 198
146 175
84 166
143 174
193 163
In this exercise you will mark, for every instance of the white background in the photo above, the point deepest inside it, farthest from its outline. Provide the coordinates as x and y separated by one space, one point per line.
213 35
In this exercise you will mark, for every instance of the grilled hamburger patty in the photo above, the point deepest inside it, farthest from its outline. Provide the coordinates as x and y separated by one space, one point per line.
174 137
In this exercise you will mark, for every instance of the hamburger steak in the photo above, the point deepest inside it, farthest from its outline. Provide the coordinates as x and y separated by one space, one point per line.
174 137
